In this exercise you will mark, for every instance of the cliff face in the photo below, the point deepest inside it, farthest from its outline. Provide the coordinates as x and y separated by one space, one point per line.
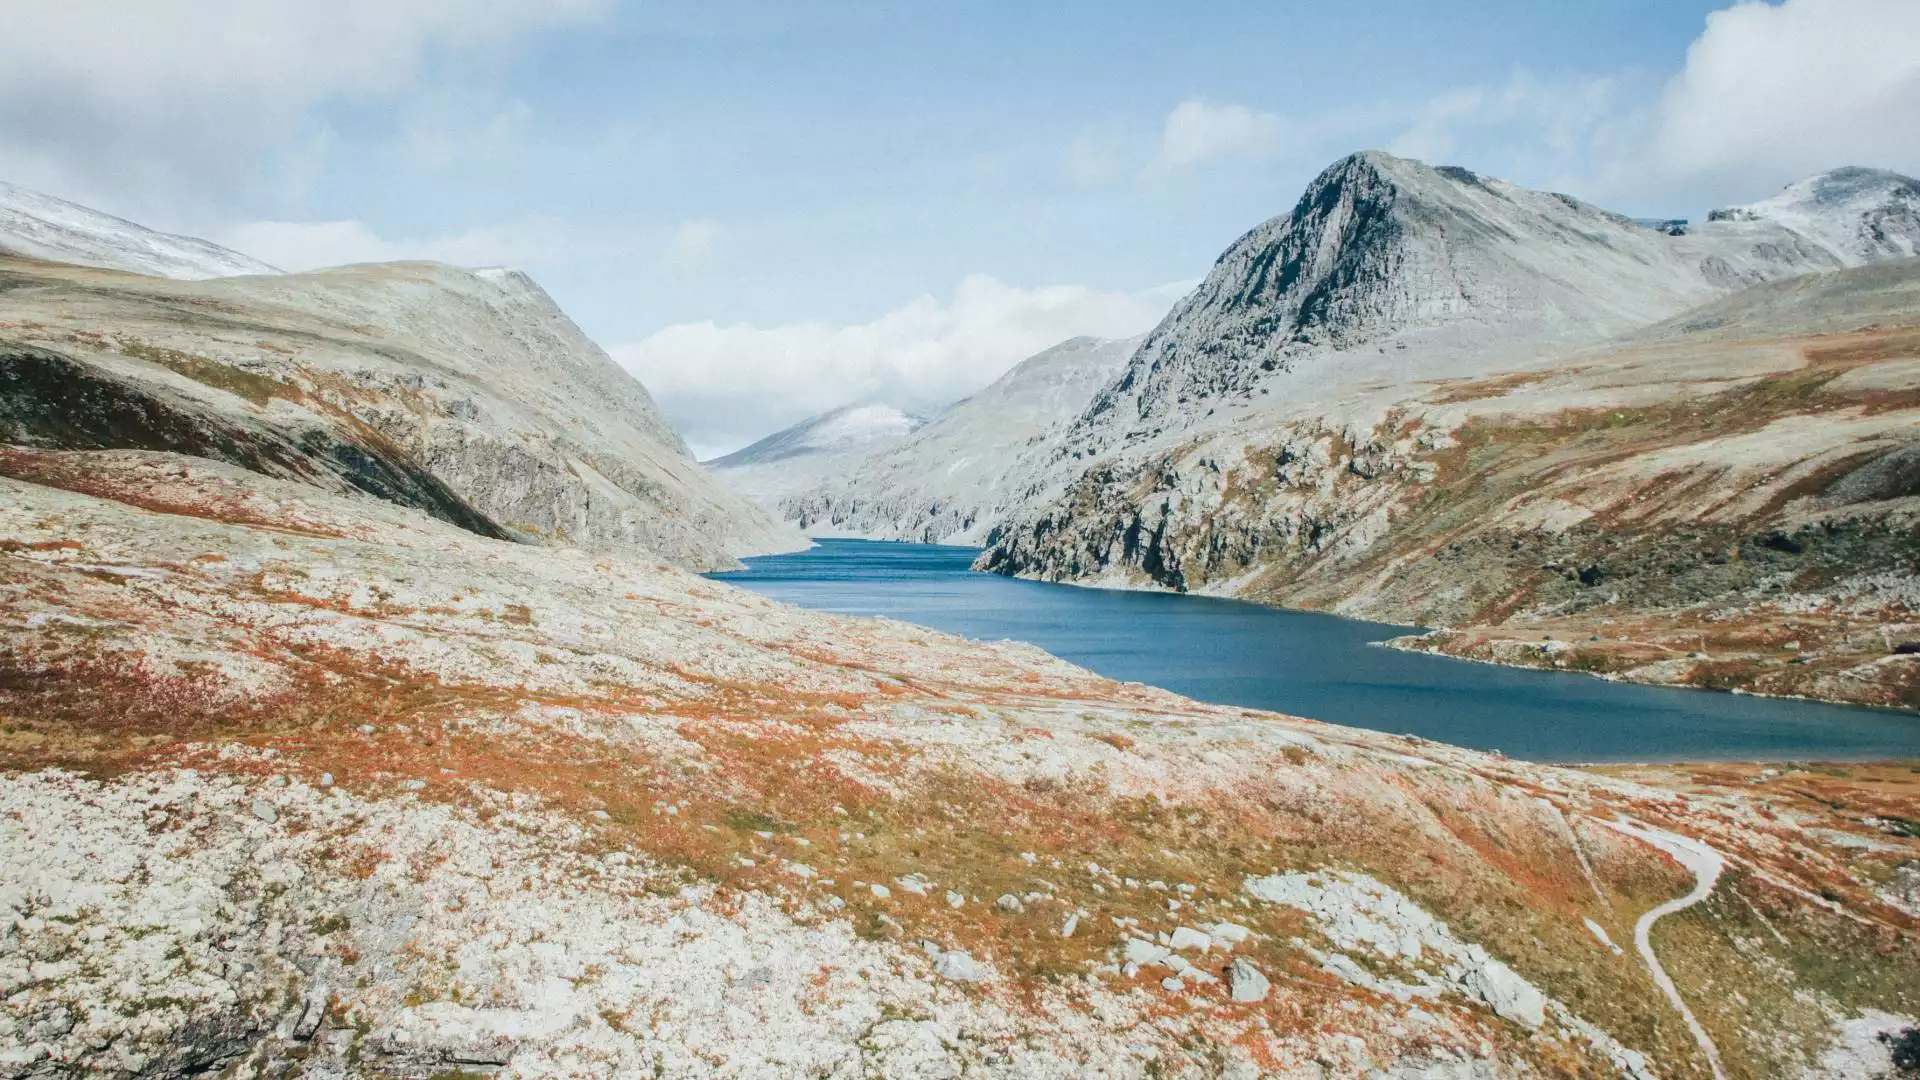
465 393
1362 406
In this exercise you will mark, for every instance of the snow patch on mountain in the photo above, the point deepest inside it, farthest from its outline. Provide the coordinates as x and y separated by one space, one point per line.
40 226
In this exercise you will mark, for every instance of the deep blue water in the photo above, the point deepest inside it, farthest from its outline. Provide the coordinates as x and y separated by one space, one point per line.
1321 666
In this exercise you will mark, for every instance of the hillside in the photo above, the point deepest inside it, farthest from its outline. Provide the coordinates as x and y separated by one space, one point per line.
1365 405
298 780
813 451
949 480
464 393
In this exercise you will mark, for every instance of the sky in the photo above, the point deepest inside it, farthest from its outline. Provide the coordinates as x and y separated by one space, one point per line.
767 208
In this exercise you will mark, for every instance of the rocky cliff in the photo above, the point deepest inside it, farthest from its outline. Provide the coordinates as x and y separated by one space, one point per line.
1362 407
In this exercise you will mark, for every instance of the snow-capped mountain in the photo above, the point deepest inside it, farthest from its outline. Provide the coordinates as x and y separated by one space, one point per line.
42 227
949 481
465 393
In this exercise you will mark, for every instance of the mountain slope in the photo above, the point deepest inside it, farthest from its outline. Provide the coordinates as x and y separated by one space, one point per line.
465 393
303 781
845 428
1453 270
948 481
1860 215
1311 427
819 449
39 226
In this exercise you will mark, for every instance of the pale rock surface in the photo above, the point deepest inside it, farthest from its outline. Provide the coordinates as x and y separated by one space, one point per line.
40 226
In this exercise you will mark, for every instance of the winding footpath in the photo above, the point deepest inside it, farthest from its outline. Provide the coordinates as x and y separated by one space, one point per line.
1706 865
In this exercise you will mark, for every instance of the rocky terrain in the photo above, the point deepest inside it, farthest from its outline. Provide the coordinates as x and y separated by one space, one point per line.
947 481
1426 396
299 781
468 394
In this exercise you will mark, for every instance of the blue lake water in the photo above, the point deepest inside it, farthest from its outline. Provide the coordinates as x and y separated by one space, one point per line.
1321 666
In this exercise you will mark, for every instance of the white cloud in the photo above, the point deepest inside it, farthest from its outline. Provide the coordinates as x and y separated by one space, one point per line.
695 243
133 94
1781 91
1200 131
1769 93
1548 118
724 386
311 245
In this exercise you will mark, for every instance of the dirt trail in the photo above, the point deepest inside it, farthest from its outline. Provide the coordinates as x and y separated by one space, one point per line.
1706 865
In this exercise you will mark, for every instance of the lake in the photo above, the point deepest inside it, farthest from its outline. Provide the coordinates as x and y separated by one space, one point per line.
1321 666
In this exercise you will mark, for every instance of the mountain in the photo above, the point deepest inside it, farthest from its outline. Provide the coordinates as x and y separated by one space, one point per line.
949 481
1362 405
1384 256
298 780
874 472
813 451
836 430
1859 215
37 226
468 394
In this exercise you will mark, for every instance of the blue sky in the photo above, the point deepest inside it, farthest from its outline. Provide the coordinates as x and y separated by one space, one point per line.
766 208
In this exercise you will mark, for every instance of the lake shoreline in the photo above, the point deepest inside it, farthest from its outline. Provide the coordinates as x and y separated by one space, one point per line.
1318 665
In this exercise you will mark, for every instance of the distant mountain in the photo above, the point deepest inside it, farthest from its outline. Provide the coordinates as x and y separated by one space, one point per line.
1859 215
465 393
844 428
42 227
949 481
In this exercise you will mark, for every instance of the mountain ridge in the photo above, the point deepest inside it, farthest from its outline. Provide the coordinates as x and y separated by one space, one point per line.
40 226
467 393
1294 426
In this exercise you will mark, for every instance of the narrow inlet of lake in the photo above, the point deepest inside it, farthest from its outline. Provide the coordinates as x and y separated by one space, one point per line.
1321 666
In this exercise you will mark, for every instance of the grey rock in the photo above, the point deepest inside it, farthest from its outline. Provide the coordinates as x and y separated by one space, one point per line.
1245 982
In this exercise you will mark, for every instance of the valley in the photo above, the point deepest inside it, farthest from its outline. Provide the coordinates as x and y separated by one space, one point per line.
364 712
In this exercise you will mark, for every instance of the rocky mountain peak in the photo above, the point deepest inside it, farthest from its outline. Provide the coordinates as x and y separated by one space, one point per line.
1862 215
1439 266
